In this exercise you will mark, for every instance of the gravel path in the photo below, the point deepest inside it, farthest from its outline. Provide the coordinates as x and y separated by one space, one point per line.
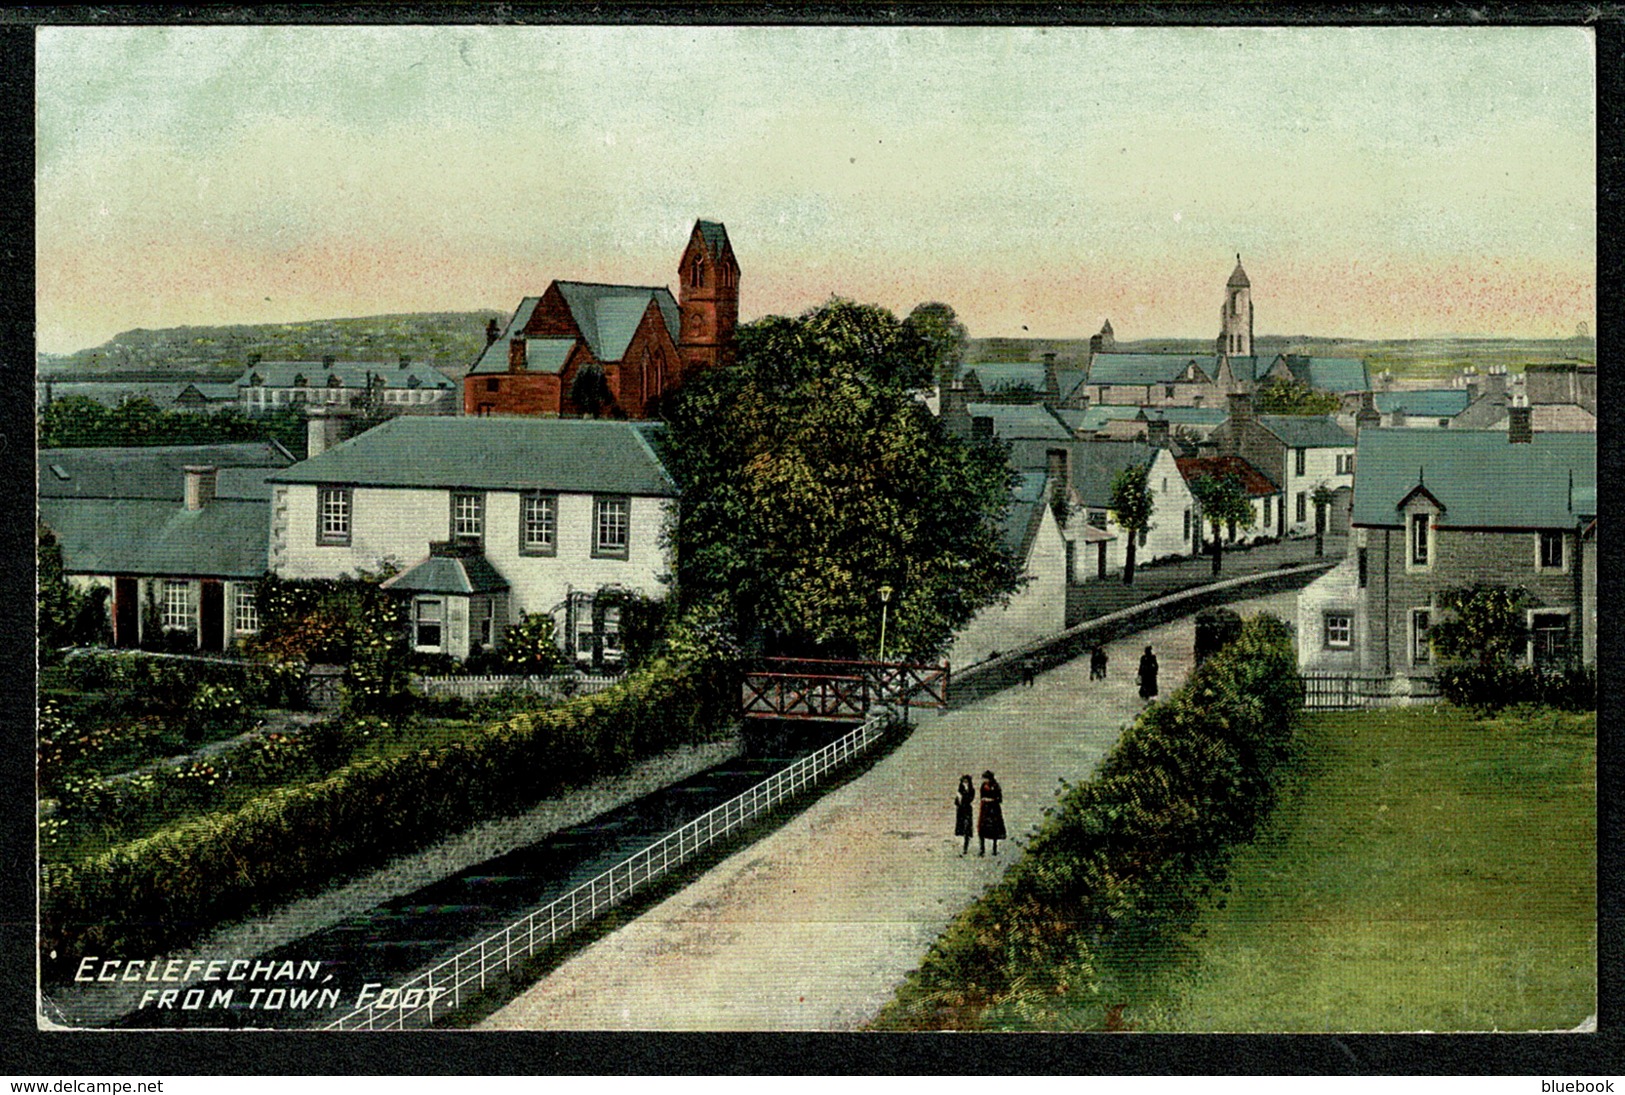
813 927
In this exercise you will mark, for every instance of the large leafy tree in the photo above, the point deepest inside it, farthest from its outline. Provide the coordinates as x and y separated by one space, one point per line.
1225 505
812 476
945 338
1289 395
1131 506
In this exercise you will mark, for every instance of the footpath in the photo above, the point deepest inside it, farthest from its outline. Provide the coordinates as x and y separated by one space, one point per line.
814 926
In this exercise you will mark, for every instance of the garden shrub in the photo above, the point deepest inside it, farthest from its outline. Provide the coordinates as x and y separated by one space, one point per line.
1499 684
1122 856
164 889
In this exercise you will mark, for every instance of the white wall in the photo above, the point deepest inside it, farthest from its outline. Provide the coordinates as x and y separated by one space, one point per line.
1037 610
399 523
1336 590
1166 536
1320 466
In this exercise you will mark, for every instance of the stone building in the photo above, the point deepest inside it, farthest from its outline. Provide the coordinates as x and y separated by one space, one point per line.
611 350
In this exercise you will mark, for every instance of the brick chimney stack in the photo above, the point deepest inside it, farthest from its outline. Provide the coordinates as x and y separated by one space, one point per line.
492 331
1241 421
1520 429
1158 434
1059 465
955 412
200 484
1367 416
1052 379
325 427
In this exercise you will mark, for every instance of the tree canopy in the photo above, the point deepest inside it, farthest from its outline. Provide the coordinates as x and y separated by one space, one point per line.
76 421
1485 625
945 338
1289 395
1225 504
1131 506
812 476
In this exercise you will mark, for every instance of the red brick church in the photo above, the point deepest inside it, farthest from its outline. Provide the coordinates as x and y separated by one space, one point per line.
611 350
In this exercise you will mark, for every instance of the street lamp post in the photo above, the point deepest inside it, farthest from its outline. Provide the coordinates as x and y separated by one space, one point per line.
885 601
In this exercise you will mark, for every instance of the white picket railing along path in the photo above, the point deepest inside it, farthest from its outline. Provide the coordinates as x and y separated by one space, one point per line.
443 987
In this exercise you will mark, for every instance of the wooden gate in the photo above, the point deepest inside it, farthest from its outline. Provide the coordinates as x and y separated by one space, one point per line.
828 689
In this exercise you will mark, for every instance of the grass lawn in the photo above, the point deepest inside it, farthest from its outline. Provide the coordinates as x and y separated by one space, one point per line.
1425 871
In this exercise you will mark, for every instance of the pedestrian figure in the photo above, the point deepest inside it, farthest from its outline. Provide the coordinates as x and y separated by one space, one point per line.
964 803
1097 663
990 825
1148 675
1027 669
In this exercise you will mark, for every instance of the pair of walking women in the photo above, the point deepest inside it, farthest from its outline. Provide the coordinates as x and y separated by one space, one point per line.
989 823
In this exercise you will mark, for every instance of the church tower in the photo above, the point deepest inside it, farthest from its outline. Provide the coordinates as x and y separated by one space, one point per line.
708 297
1236 316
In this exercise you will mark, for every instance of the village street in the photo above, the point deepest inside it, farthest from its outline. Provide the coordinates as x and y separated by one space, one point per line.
812 927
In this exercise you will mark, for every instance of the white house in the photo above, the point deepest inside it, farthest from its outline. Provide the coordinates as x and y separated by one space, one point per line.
488 518
1033 536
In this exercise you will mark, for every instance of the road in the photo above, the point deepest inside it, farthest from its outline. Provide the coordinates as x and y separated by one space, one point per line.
814 926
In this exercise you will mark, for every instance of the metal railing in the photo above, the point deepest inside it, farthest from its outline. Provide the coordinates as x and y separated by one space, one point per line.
445 986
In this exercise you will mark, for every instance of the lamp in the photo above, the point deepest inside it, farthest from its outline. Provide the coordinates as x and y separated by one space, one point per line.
885 601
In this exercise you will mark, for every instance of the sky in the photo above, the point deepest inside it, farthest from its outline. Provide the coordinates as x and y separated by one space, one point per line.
1377 182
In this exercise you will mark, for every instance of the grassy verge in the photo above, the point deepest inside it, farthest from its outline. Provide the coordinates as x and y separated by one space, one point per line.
1426 870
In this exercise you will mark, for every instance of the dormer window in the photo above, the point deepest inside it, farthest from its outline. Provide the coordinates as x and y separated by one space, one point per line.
299 380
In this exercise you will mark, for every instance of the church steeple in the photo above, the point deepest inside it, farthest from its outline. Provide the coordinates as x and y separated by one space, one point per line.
708 296
1236 315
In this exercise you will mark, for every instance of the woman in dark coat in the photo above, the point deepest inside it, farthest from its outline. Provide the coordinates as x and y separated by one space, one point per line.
1148 675
990 825
964 803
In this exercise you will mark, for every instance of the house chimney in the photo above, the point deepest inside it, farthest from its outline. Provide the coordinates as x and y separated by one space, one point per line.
516 355
955 415
1059 465
1495 380
1520 430
981 426
325 426
327 361
1241 421
406 361
1052 379
1398 419
492 331
1367 415
1158 434
200 484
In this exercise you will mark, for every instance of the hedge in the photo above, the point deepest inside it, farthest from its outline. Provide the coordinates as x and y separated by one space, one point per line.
1492 687
165 889
1189 779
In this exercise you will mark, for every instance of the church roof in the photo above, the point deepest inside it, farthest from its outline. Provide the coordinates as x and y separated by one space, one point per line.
714 235
608 315
1238 279
1145 368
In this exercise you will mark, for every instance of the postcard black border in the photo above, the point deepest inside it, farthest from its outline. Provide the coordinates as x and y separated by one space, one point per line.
26 1051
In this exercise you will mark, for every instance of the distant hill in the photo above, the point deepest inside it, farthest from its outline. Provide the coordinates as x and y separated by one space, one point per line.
1405 357
448 341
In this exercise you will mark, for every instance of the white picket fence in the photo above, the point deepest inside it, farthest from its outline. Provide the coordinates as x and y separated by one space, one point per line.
560 687
444 987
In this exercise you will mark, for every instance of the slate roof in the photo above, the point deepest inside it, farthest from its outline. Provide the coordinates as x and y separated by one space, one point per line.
1253 481
1026 513
1424 402
1094 463
1068 381
1095 417
1307 431
1184 416
1247 369
157 471
443 574
494 358
1329 374
352 374
112 393
494 453
142 536
1482 479
1015 420
606 315
995 376
547 355
714 235
1146 368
